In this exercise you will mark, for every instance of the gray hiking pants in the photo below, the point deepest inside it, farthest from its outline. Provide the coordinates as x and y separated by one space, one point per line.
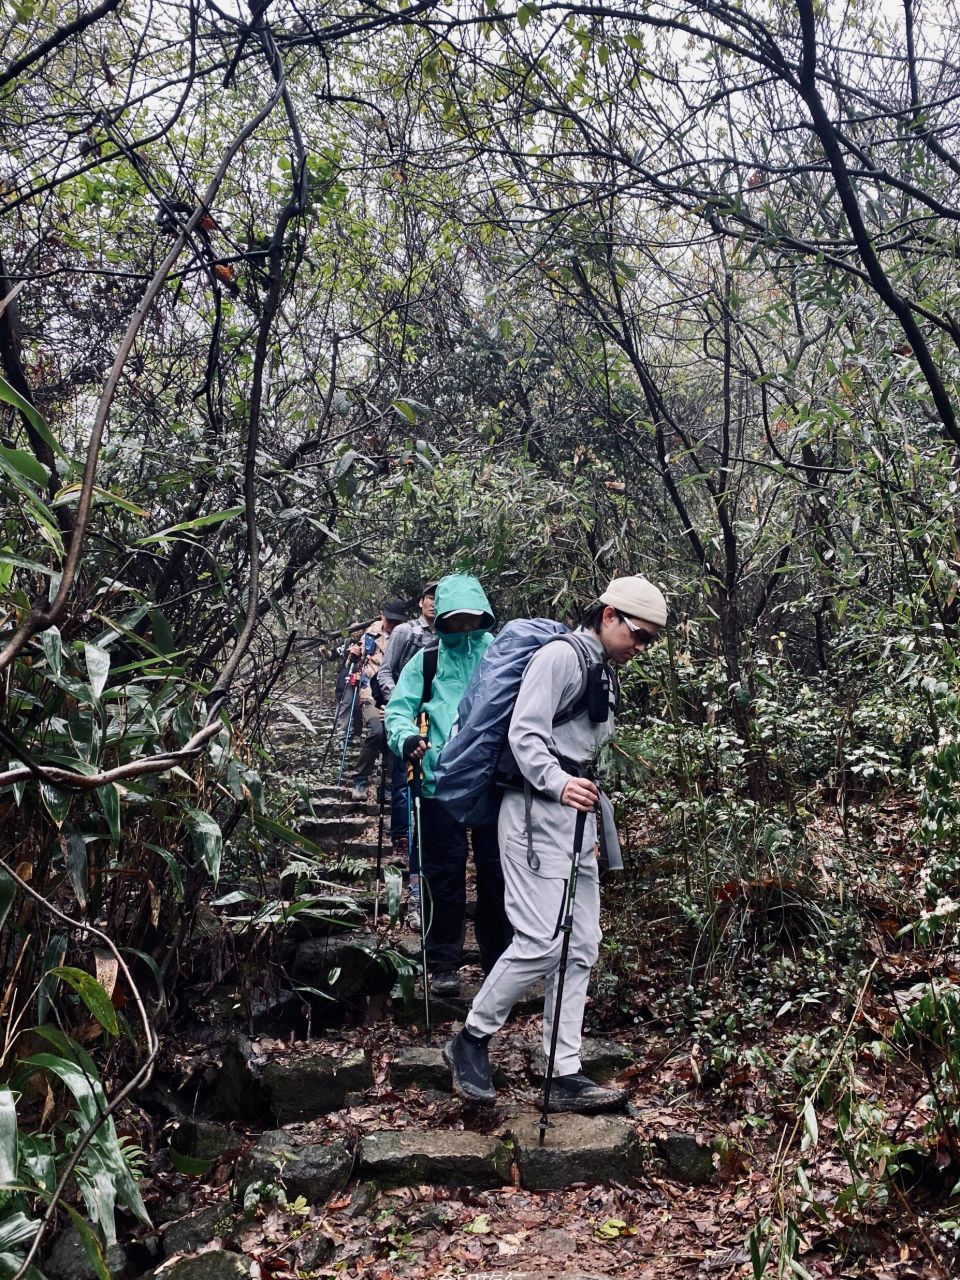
534 902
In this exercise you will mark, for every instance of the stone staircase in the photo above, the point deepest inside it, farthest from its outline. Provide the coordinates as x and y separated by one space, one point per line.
305 1074
301 1105
318 1088
310 1121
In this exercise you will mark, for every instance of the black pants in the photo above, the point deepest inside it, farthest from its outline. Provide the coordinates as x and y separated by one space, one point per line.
371 749
399 801
445 869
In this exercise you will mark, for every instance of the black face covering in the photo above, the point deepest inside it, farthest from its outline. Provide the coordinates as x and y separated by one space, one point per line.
601 693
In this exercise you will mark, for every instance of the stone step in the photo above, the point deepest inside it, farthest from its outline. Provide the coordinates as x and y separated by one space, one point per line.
423 1066
322 726
333 832
601 1059
402 1158
312 1086
329 792
364 848
294 1084
576 1149
294 731
454 1008
307 1169
341 807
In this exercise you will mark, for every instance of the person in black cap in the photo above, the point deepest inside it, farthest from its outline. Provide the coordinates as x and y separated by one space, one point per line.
373 645
406 640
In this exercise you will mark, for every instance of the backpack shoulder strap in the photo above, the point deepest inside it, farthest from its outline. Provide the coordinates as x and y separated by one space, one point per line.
431 657
576 706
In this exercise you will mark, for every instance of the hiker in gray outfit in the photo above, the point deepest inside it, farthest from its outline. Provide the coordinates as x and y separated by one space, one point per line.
536 833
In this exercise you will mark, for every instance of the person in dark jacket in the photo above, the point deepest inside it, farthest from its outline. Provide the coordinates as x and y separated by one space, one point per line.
347 655
406 640
464 622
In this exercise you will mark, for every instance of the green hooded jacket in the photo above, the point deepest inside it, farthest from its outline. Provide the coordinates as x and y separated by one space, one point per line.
460 654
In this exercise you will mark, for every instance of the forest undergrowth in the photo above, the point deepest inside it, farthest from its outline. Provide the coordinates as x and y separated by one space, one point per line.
772 969
806 1020
794 1026
784 970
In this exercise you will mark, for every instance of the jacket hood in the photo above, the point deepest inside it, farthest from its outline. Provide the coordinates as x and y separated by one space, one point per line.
461 591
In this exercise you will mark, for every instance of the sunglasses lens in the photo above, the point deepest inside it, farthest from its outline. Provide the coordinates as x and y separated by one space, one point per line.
640 636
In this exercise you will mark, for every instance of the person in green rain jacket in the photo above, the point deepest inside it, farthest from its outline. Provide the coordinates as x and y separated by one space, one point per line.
464 622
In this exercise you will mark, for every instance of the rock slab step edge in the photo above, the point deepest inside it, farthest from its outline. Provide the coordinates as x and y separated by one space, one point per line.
577 1149
401 1158
309 1169
314 1086
214 1264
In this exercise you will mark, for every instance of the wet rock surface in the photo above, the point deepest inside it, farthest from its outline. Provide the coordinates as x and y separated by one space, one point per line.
213 1264
688 1158
423 1067
312 1086
576 1149
237 1093
445 1158
204 1140
302 1167
187 1234
68 1258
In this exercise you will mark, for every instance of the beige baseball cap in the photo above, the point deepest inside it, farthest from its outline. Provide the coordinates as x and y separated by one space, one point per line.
638 597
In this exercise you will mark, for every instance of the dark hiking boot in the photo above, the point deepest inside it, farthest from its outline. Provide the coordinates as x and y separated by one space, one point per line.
578 1092
469 1061
445 983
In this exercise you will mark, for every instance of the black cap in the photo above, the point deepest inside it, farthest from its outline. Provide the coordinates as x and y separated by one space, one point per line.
429 589
395 611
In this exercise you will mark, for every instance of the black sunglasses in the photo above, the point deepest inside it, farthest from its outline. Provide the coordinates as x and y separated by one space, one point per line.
640 635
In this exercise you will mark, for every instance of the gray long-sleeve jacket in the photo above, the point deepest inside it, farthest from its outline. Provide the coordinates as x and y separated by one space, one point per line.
551 682
405 640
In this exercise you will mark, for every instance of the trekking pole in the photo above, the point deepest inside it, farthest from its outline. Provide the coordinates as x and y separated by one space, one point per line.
368 648
383 788
415 783
566 928
348 732
341 702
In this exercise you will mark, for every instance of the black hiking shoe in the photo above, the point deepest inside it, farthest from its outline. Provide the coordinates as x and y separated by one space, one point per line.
468 1060
578 1092
445 983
